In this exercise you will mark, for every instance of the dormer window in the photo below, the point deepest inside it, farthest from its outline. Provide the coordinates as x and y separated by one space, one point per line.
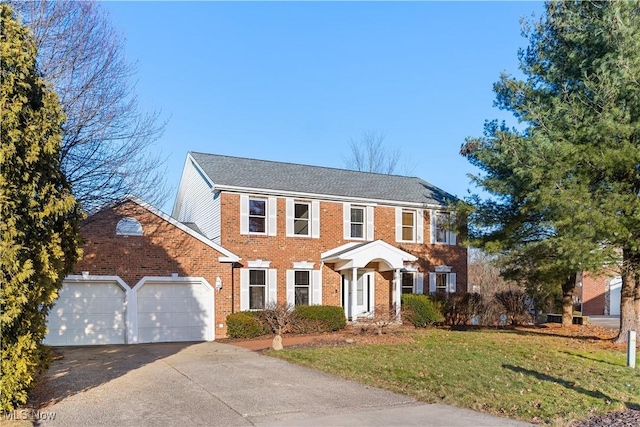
129 226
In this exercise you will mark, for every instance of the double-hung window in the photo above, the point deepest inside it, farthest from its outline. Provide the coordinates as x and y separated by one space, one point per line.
408 279
257 289
441 224
303 218
257 215
409 225
302 287
304 284
442 281
258 285
358 222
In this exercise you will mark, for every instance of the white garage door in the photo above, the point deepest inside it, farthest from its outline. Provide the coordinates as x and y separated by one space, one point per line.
88 313
175 311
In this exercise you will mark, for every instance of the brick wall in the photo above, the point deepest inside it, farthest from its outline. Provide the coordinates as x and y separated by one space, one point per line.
162 250
594 291
282 251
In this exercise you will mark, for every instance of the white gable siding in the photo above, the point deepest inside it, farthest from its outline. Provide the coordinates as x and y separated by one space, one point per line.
196 203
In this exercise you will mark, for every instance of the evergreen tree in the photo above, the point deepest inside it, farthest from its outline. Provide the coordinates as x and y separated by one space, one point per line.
39 215
569 182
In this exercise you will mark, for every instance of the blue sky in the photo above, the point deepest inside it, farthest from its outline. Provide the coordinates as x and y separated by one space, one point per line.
294 81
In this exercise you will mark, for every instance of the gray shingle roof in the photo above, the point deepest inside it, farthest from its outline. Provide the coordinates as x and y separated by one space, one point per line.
265 174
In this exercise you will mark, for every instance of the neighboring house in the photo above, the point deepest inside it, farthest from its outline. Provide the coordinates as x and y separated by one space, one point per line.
318 235
248 232
601 293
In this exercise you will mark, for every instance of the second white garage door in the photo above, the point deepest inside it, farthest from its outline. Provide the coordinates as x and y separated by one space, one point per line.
88 312
174 310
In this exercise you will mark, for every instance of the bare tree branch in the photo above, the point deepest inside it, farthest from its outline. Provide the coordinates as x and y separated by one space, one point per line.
370 154
107 143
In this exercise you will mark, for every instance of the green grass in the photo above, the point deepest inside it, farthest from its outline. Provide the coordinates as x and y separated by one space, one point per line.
514 374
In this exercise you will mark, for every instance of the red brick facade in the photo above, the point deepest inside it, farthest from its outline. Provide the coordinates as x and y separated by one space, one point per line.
165 249
283 251
162 250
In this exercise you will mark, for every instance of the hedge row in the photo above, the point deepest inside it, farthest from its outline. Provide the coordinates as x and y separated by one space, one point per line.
306 319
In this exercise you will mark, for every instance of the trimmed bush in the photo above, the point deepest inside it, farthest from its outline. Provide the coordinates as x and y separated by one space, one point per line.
246 324
515 304
458 309
319 318
421 310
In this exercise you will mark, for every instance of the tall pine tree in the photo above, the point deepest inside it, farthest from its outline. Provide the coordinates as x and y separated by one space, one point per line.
39 216
570 181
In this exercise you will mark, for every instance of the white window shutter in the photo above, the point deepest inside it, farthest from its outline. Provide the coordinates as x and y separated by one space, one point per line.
244 214
398 224
452 282
452 238
244 289
432 227
419 286
272 285
315 219
291 286
369 223
289 214
432 283
347 221
420 226
316 285
272 208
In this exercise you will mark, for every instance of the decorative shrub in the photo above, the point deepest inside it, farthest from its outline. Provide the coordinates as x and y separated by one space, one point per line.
279 317
459 308
246 324
421 310
319 318
516 305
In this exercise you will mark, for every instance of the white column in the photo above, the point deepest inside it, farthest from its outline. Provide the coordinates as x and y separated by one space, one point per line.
345 291
397 286
354 297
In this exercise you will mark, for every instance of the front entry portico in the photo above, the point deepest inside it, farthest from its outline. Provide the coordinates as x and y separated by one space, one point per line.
358 264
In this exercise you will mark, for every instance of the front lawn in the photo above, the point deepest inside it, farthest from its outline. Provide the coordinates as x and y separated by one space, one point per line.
525 374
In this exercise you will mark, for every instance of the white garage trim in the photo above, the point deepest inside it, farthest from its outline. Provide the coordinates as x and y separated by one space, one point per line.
135 333
63 319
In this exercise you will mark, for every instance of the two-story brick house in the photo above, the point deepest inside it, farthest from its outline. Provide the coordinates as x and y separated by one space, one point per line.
246 232
317 235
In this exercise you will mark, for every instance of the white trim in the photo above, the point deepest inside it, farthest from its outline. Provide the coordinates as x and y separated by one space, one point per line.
272 216
326 197
272 286
291 287
315 219
258 263
290 217
244 289
303 265
443 269
452 282
316 287
370 229
178 224
419 278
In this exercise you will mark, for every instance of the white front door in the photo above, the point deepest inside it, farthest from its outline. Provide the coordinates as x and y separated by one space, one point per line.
363 299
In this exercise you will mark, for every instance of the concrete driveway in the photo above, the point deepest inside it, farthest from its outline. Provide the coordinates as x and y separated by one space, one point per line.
611 322
214 384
